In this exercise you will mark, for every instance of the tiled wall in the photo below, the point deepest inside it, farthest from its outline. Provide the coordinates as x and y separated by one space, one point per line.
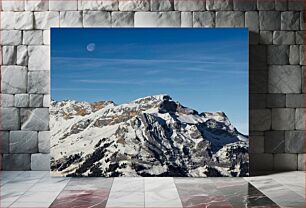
276 67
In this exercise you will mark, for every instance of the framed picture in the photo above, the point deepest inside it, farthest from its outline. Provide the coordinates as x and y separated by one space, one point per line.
149 102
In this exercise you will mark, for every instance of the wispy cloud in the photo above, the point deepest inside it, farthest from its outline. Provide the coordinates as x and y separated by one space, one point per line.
219 71
89 63
103 61
152 71
78 89
168 81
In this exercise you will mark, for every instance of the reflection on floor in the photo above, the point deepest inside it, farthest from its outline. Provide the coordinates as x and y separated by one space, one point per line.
38 189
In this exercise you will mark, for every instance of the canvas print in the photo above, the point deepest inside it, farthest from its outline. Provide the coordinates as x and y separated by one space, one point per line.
149 102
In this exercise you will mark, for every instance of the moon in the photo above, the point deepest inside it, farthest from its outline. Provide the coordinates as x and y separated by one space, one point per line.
91 47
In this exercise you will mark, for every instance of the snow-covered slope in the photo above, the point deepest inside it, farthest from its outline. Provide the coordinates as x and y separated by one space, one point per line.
151 136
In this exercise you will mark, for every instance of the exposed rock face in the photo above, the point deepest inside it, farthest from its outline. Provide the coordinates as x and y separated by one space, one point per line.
151 136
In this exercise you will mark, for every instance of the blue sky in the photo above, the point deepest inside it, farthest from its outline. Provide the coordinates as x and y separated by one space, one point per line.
205 69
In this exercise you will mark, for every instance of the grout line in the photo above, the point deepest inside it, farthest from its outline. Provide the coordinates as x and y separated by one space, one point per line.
113 179
178 192
60 191
144 192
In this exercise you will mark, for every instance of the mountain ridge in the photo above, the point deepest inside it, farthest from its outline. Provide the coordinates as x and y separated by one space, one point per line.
150 136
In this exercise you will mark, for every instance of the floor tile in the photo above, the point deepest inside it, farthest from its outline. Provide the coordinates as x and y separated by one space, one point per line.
28 175
20 178
12 190
128 185
196 188
163 198
50 179
161 192
255 198
35 199
295 181
30 205
11 187
81 199
192 180
50 184
126 200
38 190
277 192
200 201
8 199
200 193
89 183
7 176
158 183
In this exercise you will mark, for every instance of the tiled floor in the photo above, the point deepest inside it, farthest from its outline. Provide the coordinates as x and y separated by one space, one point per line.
38 189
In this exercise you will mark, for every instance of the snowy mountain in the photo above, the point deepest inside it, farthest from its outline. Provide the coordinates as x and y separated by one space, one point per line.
151 136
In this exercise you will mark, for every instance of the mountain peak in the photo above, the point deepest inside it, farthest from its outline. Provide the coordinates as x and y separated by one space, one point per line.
153 98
